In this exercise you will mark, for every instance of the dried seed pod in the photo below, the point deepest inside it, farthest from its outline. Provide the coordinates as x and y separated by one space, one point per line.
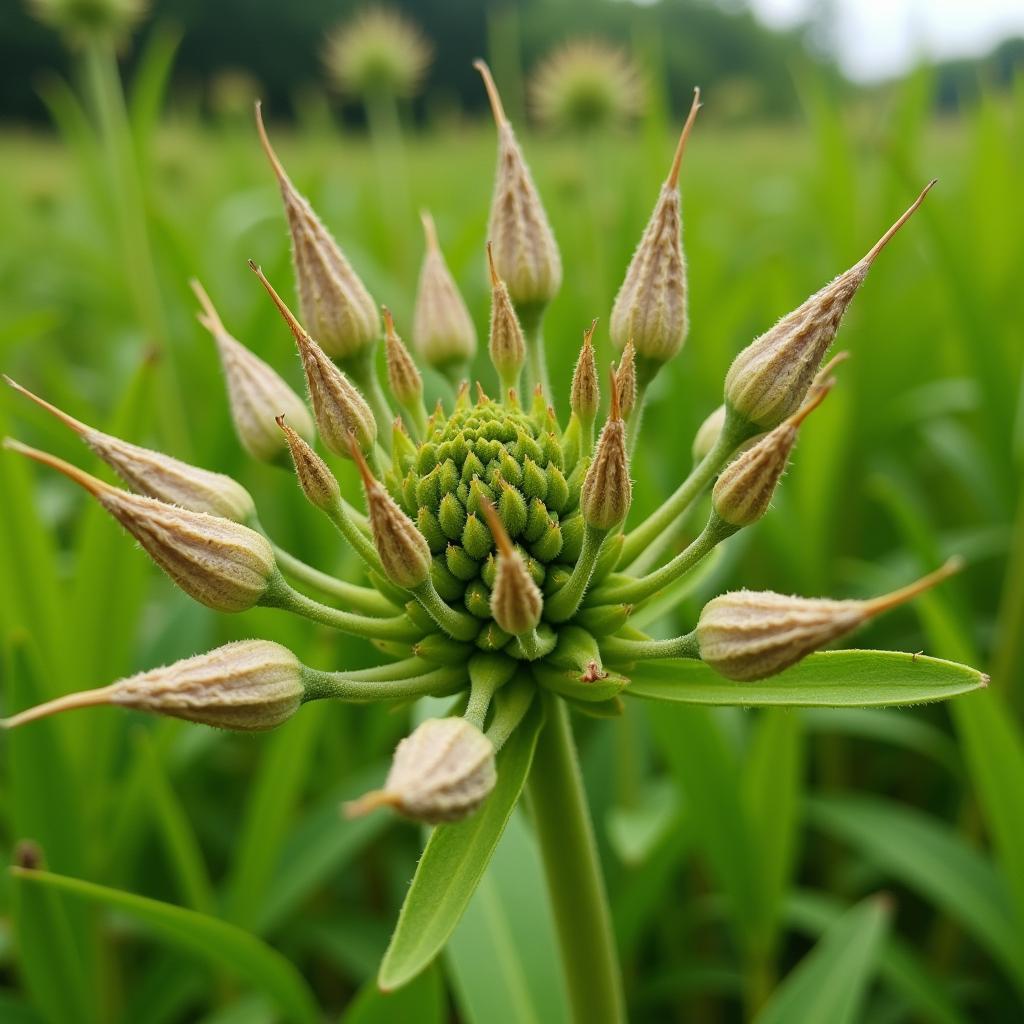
403 378
625 380
404 551
442 329
506 343
248 685
442 772
607 490
747 635
339 407
769 379
525 251
317 481
516 600
157 475
256 392
332 300
585 394
744 489
650 307
708 433
219 563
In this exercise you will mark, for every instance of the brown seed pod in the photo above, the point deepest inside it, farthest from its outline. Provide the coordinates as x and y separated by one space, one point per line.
506 343
403 377
607 490
516 601
317 481
625 380
585 394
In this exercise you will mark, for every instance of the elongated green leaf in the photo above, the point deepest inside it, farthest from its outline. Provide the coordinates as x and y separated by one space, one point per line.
829 679
215 941
830 983
422 1001
930 858
454 861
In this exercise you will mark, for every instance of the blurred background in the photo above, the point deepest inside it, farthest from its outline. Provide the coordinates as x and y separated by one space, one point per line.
130 164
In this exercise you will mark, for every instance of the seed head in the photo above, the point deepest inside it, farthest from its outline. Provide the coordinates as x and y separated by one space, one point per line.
403 377
219 563
516 600
318 483
157 475
708 433
525 252
442 329
332 300
339 408
256 392
650 308
84 20
585 395
768 380
442 772
607 490
506 343
748 635
745 487
404 551
248 685
625 380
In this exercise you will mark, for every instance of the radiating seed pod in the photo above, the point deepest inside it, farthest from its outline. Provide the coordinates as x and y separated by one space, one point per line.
442 329
516 600
315 478
333 301
607 490
625 380
708 433
248 685
216 561
403 377
256 392
585 393
506 343
442 772
769 379
339 407
650 307
525 252
404 551
157 475
744 489
747 635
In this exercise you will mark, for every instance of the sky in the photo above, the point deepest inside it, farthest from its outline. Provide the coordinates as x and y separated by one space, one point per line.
880 38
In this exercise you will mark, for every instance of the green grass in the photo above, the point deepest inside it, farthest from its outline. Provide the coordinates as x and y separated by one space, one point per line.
916 455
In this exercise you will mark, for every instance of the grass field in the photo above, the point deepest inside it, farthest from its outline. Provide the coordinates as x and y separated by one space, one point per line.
701 815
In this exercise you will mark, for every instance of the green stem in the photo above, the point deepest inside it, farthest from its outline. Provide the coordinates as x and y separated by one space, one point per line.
362 599
536 364
487 672
564 604
510 705
459 625
320 685
622 649
360 542
533 646
634 591
280 594
646 543
575 885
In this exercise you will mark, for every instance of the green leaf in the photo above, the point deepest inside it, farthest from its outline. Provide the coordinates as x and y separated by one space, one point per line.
829 679
453 863
422 1001
830 983
217 942
930 858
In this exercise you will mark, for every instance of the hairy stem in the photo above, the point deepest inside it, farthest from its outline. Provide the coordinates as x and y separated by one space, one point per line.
459 625
564 603
536 364
342 686
575 885
361 599
622 649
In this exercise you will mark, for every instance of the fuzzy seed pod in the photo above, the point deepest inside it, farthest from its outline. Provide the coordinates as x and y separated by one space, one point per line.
403 378
650 308
157 475
769 379
332 300
339 407
442 772
506 343
708 433
256 392
525 251
747 635
607 490
516 600
585 394
744 489
404 551
217 562
442 329
248 685
625 380
318 483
